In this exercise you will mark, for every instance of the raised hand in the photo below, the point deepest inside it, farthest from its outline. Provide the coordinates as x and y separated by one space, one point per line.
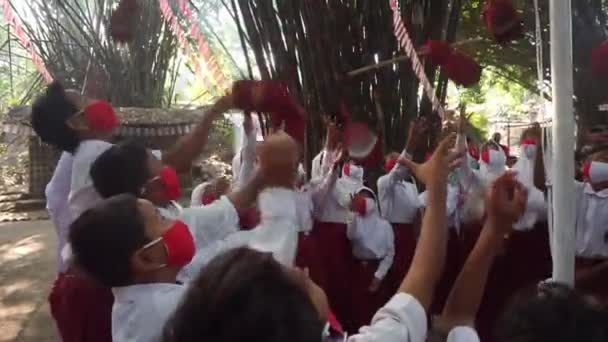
506 200
416 134
437 168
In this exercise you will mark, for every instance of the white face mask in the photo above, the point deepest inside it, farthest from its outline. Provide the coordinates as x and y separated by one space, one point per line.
370 206
598 172
353 171
497 159
529 151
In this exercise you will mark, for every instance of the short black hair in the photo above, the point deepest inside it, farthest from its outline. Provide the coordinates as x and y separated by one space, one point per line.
244 295
122 169
104 238
552 312
50 112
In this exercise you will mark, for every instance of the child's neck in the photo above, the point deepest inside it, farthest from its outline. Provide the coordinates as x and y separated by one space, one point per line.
163 275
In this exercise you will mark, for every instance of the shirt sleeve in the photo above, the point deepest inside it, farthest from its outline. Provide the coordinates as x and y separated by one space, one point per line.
463 334
319 192
278 229
212 222
387 261
247 156
402 319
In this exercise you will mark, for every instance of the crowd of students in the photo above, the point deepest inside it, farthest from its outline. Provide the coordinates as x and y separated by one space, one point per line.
271 256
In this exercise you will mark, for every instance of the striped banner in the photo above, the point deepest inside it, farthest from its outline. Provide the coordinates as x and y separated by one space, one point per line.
405 42
24 40
210 71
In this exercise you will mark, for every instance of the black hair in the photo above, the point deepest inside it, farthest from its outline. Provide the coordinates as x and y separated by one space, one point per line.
121 169
104 238
244 295
50 112
552 312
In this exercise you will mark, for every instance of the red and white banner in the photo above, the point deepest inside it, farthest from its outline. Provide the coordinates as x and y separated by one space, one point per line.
214 75
24 40
405 42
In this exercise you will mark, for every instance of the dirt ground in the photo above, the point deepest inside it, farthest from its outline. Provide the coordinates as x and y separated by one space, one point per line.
27 270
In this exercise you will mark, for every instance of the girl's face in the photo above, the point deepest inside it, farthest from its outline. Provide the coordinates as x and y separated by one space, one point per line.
79 121
602 157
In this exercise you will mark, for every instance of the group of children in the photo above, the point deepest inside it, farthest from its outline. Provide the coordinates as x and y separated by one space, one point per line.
271 255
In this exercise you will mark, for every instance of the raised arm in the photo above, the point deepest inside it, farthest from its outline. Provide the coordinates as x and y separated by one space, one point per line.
506 203
247 152
187 148
429 258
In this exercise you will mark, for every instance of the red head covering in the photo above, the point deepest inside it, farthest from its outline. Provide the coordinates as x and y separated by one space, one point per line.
101 116
528 142
502 20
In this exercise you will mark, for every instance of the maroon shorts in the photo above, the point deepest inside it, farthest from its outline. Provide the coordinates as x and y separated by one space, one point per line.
405 246
82 309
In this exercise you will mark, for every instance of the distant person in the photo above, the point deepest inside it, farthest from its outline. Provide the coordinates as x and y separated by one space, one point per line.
497 137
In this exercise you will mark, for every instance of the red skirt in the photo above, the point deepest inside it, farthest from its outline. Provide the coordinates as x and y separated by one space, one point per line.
81 308
309 256
453 264
363 302
249 218
598 287
405 246
338 261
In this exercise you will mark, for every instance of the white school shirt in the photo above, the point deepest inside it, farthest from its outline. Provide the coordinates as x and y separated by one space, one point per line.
311 198
322 164
208 224
399 201
57 192
372 238
244 161
336 206
139 312
591 222
463 334
277 232
451 205
402 319
83 195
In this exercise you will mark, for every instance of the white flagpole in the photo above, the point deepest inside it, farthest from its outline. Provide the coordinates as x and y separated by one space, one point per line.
563 141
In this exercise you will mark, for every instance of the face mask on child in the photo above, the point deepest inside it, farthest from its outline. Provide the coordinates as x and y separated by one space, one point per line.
178 243
528 148
595 171
353 171
170 182
494 158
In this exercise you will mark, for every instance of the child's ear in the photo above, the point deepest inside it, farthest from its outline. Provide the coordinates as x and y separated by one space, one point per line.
144 261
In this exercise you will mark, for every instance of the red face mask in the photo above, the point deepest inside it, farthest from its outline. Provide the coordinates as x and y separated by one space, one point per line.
209 197
179 244
101 116
171 182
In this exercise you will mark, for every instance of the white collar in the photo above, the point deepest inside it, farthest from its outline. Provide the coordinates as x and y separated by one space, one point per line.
589 190
134 292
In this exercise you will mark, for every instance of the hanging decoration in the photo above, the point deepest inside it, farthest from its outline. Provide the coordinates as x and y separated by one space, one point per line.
405 42
503 21
24 40
214 69
171 20
459 68
122 21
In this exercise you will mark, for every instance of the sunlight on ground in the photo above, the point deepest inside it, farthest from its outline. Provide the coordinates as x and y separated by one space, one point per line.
20 249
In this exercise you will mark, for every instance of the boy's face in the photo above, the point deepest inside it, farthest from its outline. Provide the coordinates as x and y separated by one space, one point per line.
79 122
150 263
155 188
